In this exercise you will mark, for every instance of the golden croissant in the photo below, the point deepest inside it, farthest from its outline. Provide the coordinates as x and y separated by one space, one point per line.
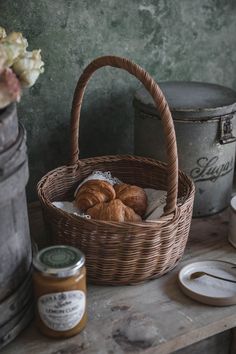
114 210
132 196
93 192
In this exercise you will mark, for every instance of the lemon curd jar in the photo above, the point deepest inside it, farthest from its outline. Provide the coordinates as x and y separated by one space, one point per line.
60 290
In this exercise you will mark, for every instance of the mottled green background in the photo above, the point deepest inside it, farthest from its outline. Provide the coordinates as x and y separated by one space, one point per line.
172 39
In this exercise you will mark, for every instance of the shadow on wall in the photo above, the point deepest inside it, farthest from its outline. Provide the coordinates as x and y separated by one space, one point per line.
48 154
99 135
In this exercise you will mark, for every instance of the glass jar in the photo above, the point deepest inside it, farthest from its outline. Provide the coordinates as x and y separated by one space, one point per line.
60 290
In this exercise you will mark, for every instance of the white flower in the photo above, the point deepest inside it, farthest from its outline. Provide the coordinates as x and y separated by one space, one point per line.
28 67
10 90
2 33
15 45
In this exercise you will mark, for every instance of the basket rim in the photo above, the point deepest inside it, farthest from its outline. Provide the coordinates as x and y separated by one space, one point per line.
163 219
117 158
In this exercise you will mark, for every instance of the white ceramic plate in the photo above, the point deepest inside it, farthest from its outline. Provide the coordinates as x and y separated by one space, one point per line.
206 289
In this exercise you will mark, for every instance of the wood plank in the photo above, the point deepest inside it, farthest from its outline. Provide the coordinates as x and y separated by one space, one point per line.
233 343
154 317
219 344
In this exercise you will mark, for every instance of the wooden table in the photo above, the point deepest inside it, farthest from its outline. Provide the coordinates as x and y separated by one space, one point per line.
155 317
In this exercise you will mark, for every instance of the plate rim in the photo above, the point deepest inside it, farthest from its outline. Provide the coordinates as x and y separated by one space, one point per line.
209 300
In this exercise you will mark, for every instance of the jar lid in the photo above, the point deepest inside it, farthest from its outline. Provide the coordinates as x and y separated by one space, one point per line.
190 100
59 261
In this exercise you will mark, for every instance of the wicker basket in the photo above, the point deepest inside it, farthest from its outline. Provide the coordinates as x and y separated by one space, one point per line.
122 253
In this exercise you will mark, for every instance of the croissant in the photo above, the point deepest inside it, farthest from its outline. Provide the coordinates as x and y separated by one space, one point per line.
132 196
93 192
114 210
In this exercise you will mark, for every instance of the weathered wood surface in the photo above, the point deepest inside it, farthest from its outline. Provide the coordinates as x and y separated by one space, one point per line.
154 317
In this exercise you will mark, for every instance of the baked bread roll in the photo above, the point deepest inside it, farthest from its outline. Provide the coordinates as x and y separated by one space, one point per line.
114 210
132 196
93 192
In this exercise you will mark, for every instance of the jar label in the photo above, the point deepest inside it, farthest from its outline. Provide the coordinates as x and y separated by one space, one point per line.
62 311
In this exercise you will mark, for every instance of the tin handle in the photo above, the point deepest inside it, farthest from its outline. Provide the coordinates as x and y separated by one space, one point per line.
161 105
226 130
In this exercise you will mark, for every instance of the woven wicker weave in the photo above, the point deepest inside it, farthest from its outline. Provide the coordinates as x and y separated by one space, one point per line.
122 253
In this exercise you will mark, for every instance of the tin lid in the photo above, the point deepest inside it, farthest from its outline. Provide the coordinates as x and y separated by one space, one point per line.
59 261
190 100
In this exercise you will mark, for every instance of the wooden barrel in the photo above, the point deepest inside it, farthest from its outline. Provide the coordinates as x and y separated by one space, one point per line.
13 304
16 325
15 243
8 127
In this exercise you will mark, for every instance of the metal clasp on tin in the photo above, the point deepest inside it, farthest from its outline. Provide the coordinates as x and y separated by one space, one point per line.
226 130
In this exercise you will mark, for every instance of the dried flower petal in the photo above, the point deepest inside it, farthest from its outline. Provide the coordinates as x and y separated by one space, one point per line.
3 58
15 45
10 90
28 67
2 33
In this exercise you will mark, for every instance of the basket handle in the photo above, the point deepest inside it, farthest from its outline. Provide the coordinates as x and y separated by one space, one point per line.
161 105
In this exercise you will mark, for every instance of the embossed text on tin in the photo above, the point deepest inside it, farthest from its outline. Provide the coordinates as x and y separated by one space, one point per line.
207 169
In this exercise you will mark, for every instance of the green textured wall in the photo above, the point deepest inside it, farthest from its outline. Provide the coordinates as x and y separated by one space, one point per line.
172 39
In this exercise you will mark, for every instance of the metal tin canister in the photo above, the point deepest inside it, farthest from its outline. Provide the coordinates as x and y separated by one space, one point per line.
204 119
232 222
